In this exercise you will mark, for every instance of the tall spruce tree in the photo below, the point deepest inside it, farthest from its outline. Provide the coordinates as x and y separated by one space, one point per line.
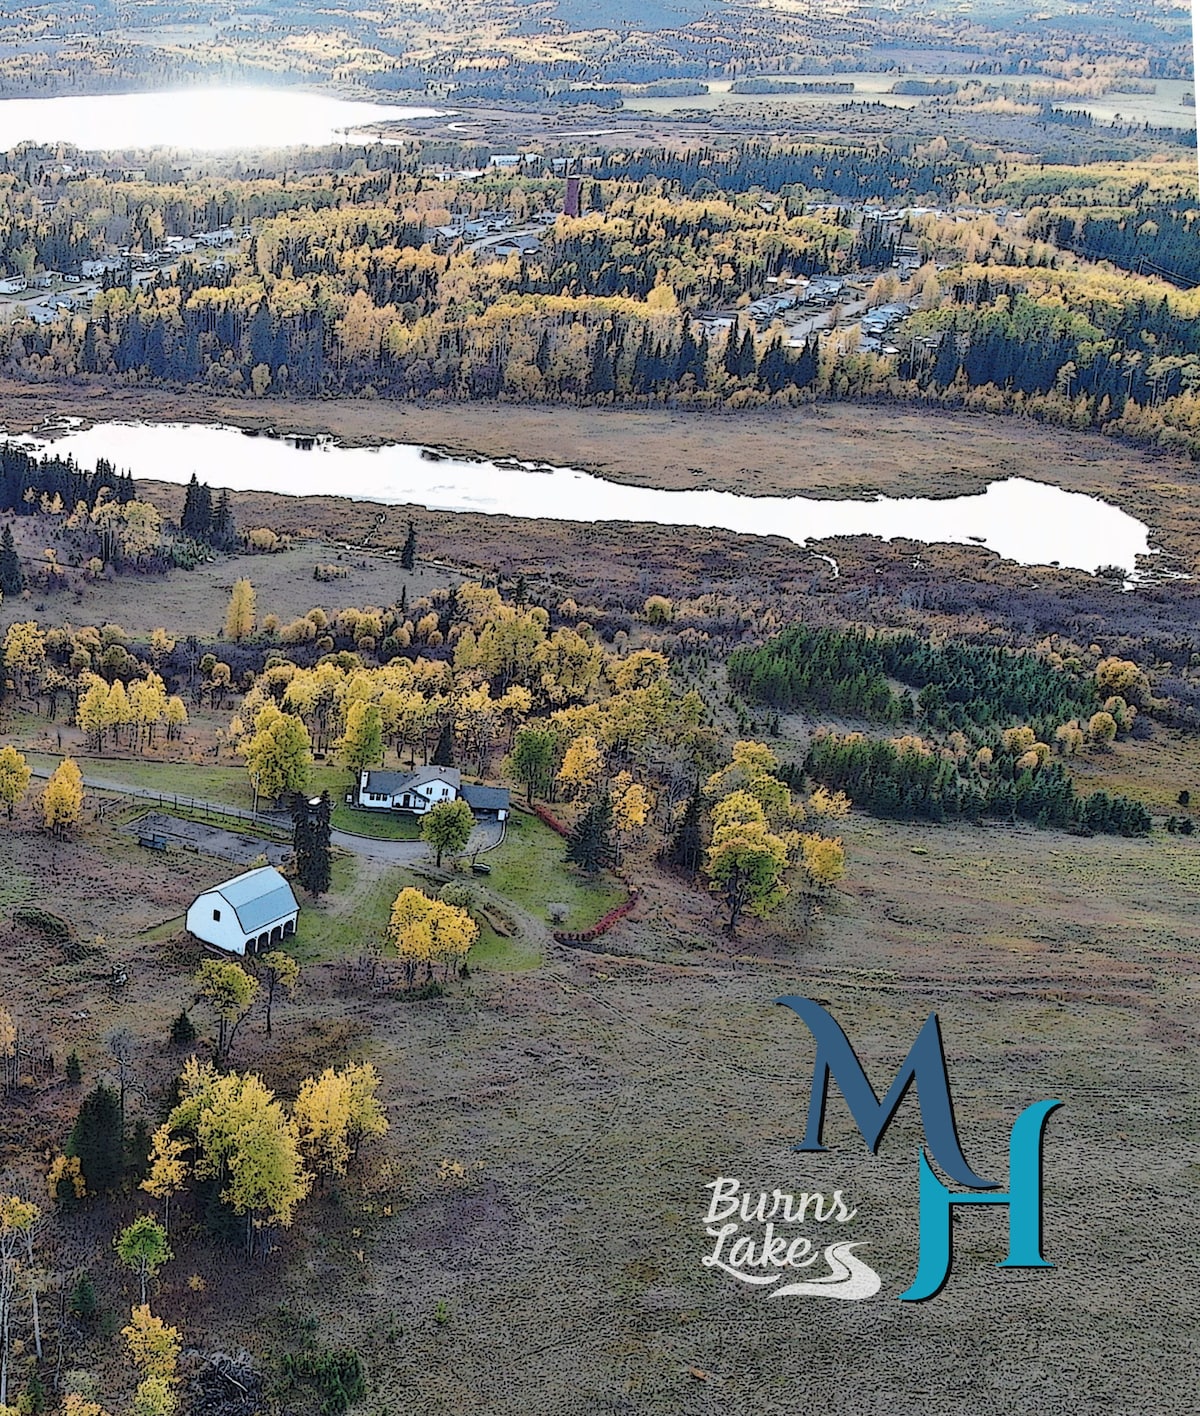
590 845
408 556
97 1141
224 527
197 518
443 753
686 847
12 579
312 829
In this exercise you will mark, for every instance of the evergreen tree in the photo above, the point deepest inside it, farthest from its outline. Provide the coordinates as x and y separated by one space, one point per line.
745 358
443 753
408 556
183 1030
83 1298
97 1141
224 527
686 848
311 833
590 845
12 580
197 518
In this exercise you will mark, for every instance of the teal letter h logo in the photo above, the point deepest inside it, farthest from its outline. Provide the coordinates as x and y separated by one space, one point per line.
1023 1201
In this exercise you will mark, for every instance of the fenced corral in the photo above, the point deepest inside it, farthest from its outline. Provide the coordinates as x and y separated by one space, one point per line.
211 833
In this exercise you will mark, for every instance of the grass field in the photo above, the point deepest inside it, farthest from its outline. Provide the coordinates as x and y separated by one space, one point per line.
528 870
353 918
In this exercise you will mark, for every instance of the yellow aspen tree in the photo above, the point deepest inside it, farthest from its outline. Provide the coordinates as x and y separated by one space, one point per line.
176 717
117 712
230 992
335 1113
62 801
824 858
239 618
15 776
154 1346
92 713
168 1171
17 1218
280 971
582 767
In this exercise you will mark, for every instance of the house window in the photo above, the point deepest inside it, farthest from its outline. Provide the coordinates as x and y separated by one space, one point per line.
216 914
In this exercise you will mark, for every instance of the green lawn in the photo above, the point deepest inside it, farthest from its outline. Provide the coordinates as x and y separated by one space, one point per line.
228 785
529 870
355 913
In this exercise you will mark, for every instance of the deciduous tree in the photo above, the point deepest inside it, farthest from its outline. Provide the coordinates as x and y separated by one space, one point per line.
62 800
279 970
582 767
361 745
824 858
230 992
168 1171
447 827
239 617
745 866
279 754
15 776
17 1219
142 1246
335 1113
532 760
424 932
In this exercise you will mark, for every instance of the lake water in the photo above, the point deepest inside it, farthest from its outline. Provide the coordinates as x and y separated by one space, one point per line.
201 119
1026 521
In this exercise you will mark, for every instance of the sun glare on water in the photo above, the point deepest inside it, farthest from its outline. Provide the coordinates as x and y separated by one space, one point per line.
201 119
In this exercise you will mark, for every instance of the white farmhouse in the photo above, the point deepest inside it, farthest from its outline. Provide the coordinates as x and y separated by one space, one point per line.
427 787
247 914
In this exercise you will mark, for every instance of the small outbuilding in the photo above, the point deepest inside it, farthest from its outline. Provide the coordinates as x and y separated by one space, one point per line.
246 915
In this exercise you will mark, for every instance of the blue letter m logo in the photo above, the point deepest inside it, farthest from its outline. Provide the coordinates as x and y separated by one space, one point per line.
925 1066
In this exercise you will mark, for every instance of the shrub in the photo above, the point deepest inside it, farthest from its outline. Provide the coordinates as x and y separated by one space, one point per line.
183 1030
337 1376
38 921
83 1297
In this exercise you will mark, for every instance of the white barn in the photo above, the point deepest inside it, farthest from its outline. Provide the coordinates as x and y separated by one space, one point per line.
247 914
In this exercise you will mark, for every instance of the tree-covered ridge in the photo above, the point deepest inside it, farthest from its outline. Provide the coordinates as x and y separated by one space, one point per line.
871 171
907 779
1155 239
961 686
1109 350
27 478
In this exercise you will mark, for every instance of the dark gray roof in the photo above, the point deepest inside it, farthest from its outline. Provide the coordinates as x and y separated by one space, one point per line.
485 798
393 782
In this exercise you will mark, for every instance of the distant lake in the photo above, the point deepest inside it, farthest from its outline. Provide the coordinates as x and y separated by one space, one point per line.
1034 523
199 119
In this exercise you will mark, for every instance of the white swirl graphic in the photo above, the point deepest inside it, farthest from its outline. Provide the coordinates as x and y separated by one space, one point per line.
848 1278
